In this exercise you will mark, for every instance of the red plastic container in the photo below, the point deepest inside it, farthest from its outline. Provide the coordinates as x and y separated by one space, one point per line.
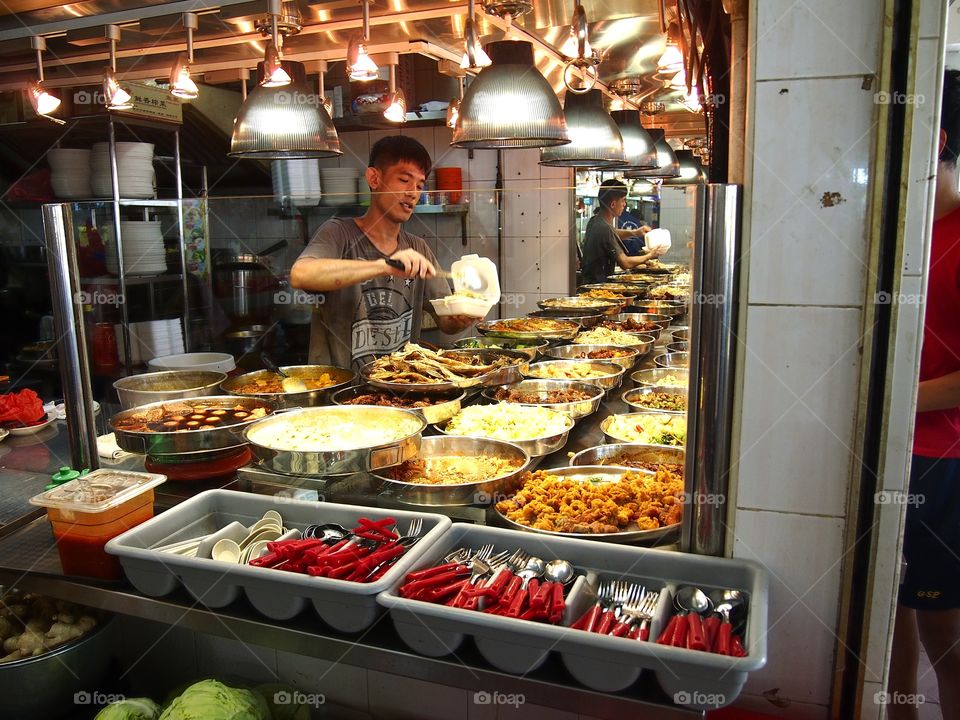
450 180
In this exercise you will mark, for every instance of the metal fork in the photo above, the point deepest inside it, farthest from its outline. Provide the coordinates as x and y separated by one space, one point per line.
644 613
630 597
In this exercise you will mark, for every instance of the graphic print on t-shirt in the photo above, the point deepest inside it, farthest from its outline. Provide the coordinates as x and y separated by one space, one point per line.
385 325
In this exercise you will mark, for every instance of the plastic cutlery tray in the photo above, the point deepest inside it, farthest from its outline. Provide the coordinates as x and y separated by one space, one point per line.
346 606
695 679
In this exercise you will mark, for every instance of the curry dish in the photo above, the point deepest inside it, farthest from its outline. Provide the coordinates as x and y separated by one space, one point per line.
273 383
562 504
181 417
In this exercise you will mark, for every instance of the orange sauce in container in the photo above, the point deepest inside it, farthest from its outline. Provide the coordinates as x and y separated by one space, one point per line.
88 512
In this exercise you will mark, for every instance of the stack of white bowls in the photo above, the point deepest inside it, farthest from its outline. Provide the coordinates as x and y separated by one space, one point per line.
339 185
70 172
296 182
143 251
151 339
135 175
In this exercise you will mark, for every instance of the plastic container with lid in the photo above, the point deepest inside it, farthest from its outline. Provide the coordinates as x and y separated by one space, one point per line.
88 511
475 304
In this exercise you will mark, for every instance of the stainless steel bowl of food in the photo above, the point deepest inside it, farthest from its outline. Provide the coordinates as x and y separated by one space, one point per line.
633 455
578 302
673 360
604 337
456 470
144 389
603 373
622 355
433 407
537 430
586 319
657 399
646 427
508 373
531 348
680 333
676 347
662 377
190 425
576 399
530 328
671 308
641 321
321 382
336 440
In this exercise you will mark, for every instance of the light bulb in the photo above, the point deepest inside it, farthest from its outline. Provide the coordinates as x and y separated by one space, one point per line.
453 113
181 84
679 80
671 60
482 59
397 110
115 96
571 48
471 40
43 102
361 66
274 75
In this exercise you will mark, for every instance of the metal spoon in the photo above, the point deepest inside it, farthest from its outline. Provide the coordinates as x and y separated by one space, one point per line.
534 568
326 532
726 601
559 571
692 601
556 574
289 384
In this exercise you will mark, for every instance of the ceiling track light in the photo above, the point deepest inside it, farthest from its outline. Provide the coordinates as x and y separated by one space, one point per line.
115 97
397 104
582 58
274 74
182 84
322 90
671 61
474 57
43 102
453 109
360 65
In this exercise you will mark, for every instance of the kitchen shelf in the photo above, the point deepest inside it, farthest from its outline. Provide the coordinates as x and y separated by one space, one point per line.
461 209
376 121
134 279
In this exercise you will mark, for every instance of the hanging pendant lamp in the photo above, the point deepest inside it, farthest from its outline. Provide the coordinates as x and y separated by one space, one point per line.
691 171
595 141
284 122
510 104
638 146
667 164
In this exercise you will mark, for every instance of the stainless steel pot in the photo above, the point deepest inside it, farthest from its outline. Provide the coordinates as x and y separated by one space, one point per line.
170 385
176 443
245 287
311 398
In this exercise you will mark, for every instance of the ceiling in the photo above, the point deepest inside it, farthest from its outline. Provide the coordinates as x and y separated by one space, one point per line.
625 31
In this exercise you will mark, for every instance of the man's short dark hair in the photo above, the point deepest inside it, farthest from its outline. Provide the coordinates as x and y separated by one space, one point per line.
395 149
950 116
611 190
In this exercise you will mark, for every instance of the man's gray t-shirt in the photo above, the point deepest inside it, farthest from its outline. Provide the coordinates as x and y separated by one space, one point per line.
353 325
601 247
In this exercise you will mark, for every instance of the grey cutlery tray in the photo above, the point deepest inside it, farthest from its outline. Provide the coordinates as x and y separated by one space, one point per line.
694 679
344 605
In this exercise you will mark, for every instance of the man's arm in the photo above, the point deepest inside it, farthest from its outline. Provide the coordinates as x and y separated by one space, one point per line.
942 393
624 233
628 262
326 274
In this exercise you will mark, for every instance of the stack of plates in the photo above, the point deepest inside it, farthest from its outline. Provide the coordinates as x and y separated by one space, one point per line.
135 174
296 182
143 251
70 173
154 338
339 185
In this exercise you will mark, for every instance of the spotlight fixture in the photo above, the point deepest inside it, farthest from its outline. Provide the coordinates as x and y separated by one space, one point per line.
42 101
671 62
582 56
322 91
181 84
397 106
474 57
115 97
359 63
274 74
453 109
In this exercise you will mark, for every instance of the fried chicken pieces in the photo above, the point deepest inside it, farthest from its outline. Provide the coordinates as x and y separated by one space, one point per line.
560 504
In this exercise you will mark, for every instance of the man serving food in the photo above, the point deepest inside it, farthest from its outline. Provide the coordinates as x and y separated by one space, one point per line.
372 307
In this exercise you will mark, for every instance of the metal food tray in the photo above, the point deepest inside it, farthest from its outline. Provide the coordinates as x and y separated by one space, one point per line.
577 302
576 409
308 398
337 462
344 605
671 308
613 439
475 493
567 331
502 375
578 352
600 662
498 376
494 342
612 473
534 447
448 405
585 320
634 398
643 453
607 381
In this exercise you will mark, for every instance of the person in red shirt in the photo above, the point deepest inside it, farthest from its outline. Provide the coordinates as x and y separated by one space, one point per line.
929 603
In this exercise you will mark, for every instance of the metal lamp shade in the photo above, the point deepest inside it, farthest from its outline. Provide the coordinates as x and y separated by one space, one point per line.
691 171
510 104
595 141
638 145
284 122
667 164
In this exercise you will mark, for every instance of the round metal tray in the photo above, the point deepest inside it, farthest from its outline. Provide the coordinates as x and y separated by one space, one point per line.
310 398
644 343
501 376
566 330
670 308
617 287
579 352
336 462
662 321
634 398
673 360
599 455
576 302
585 320
497 377
476 493
492 342
653 376
159 444
613 372
448 402
576 409
607 421
534 447
585 473
146 388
